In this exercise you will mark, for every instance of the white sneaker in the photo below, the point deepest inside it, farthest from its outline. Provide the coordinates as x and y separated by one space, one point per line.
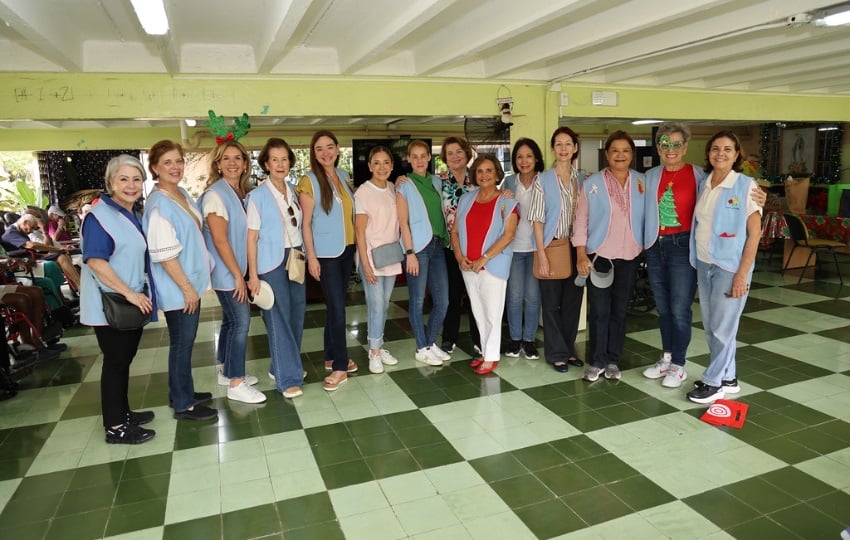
658 370
387 358
440 353
245 393
250 379
271 376
675 376
375 364
424 355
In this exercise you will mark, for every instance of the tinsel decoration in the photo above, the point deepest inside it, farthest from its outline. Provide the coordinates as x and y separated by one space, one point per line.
828 158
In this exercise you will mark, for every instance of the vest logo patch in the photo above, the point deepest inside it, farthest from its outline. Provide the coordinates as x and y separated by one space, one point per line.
733 202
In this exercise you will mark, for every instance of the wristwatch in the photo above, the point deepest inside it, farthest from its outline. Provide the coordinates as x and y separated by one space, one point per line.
408 252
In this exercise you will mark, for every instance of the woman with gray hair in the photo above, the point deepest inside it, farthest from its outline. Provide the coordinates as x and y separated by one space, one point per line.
17 235
115 260
671 197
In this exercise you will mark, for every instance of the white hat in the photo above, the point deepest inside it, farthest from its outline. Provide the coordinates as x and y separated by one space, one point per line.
601 280
54 209
265 298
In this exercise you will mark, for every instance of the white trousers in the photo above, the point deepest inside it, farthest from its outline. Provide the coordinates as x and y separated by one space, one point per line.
487 299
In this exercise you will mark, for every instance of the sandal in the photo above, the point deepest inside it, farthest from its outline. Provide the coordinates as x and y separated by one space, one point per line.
352 367
333 381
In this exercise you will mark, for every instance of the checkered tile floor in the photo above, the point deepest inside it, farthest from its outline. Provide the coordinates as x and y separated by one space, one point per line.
422 452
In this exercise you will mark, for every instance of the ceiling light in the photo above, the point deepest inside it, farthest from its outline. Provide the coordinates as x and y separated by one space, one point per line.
151 14
828 128
191 122
646 122
835 19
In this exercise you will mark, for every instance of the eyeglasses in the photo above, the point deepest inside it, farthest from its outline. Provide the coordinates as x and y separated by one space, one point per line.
667 146
292 216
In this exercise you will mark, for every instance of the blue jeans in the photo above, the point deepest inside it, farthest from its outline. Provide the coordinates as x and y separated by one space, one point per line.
608 311
336 272
285 326
377 303
674 283
720 318
233 336
433 274
523 288
182 329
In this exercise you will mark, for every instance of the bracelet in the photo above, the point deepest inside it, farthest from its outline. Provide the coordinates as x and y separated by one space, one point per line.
486 256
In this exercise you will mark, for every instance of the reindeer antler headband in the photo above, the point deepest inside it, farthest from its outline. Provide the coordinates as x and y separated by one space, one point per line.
223 133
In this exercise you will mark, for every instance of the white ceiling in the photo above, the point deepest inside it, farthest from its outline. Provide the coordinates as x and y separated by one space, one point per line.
694 44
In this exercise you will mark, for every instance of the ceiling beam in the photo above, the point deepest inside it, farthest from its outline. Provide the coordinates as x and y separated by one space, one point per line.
466 36
411 16
828 78
620 20
757 74
279 41
42 33
722 21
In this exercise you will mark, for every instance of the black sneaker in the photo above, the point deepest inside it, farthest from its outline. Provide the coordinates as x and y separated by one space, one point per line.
46 355
129 434
448 346
199 412
57 347
529 350
203 397
730 386
513 349
703 393
140 418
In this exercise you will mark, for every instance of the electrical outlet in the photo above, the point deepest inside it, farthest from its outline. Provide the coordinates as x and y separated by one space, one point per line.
565 99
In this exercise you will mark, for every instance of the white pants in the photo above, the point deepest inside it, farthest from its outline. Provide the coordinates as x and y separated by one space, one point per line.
487 299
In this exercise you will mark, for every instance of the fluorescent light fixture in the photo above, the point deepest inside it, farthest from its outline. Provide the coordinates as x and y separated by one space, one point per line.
646 122
151 14
828 128
836 19
191 122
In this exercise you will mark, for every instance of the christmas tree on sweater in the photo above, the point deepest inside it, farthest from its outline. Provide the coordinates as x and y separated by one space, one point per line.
667 214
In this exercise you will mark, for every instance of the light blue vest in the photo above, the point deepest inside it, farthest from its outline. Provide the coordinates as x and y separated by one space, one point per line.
237 236
272 239
417 214
127 260
500 265
599 208
329 229
729 226
653 178
193 258
552 201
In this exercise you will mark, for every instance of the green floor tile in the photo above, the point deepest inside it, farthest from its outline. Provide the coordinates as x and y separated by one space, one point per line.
550 518
328 530
27 531
808 522
419 436
87 525
147 466
196 529
253 522
541 456
14 468
596 505
142 489
789 451
406 420
435 455
578 447
565 479
338 452
44 484
327 435
97 475
621 414
87 500
836 505
522 490
374 445
817 440
639 492
136 516
346 474
498 467
762 496
392 464
368 427
589 421
797 483
19 511
607 468
303 511
761 528
722 508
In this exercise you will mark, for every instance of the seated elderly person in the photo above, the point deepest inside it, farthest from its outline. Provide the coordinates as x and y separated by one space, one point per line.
17 235
57 225
30 302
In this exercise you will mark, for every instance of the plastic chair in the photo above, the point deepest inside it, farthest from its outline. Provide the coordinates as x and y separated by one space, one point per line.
800 236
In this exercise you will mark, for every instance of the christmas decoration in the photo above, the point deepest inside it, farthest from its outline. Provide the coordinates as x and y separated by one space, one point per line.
223 133
667 214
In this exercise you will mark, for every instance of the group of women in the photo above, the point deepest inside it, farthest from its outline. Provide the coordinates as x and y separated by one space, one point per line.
468 236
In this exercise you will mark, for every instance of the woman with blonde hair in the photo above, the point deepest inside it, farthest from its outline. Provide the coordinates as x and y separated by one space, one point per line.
226 237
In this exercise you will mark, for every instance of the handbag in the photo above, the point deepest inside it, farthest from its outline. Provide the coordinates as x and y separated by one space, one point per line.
387 254
560 260
120 313
296 264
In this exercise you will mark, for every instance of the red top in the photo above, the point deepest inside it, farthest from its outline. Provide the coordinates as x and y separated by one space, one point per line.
478 222
684 199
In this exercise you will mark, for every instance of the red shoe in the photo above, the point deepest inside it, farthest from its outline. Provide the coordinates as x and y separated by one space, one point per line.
481 370
475 363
